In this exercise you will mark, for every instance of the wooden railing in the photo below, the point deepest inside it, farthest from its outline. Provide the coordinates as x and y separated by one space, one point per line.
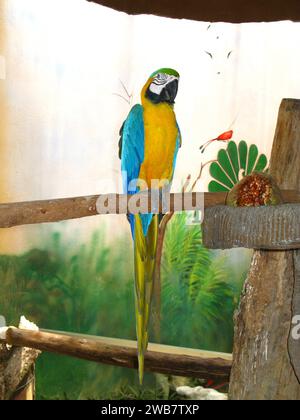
159 358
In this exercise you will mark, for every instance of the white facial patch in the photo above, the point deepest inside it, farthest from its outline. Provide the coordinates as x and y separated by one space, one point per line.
157 89
160 82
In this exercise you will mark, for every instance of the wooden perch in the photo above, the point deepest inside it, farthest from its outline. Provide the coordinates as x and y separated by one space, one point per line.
160 359
56 210
48 211
270 227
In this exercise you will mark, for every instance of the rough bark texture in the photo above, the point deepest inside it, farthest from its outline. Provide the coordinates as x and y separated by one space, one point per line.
263 365
160 359
294 342
17 373
235 11
267 227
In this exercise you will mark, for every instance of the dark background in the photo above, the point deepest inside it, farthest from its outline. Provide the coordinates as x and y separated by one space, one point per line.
212 10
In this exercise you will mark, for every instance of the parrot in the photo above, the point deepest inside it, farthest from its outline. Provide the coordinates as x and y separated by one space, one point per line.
150 139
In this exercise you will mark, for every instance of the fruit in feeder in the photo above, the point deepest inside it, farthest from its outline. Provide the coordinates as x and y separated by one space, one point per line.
257 189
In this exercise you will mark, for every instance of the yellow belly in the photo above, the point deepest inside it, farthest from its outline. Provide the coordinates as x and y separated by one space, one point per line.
161 134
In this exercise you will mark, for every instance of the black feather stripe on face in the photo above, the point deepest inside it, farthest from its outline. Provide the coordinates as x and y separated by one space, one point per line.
153 97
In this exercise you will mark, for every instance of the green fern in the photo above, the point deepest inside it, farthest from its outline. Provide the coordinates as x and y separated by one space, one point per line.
89 289
196 293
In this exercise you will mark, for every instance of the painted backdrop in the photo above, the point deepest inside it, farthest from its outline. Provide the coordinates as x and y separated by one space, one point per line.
64 67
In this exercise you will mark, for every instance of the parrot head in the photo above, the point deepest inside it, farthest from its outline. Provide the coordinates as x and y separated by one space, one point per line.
162 86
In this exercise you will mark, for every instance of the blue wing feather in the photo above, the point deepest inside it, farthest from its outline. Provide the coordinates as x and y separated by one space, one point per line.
178 145
133 140
132 156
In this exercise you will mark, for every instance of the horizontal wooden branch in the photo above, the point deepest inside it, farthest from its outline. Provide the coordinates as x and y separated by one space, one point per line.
160 359
267 227
49 211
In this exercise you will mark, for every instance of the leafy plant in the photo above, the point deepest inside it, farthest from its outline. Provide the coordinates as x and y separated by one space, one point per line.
198 300
233 164
89 288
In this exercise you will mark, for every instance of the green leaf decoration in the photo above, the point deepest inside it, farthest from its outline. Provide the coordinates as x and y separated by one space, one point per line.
232 151
261 164
243 152
219 174
252 158
216 187
234 163
227 166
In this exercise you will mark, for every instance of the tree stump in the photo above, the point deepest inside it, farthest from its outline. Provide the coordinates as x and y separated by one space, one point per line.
17 368
17 379
266 357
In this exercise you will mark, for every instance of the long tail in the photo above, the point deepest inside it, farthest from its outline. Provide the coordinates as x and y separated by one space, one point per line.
144 263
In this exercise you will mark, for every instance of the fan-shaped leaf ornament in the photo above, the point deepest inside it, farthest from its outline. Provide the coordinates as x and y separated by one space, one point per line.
233 164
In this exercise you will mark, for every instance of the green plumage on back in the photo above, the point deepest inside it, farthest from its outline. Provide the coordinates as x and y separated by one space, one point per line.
144 261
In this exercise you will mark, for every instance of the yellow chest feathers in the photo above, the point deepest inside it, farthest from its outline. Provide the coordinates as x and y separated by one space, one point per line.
161 135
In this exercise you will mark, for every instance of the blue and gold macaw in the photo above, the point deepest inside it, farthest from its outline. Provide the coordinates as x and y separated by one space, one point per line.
149 143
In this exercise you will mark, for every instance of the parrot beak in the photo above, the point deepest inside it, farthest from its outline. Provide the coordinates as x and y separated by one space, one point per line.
170 91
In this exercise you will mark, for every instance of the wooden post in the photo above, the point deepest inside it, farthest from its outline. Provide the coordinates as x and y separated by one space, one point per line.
265 355
17 379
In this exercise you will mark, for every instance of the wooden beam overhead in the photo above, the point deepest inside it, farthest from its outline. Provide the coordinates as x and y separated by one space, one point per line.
234 11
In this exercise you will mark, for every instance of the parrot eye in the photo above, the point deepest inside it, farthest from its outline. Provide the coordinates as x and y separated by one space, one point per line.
160 78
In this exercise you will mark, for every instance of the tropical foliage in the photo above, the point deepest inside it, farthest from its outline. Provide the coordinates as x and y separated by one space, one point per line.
199 292
90 290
